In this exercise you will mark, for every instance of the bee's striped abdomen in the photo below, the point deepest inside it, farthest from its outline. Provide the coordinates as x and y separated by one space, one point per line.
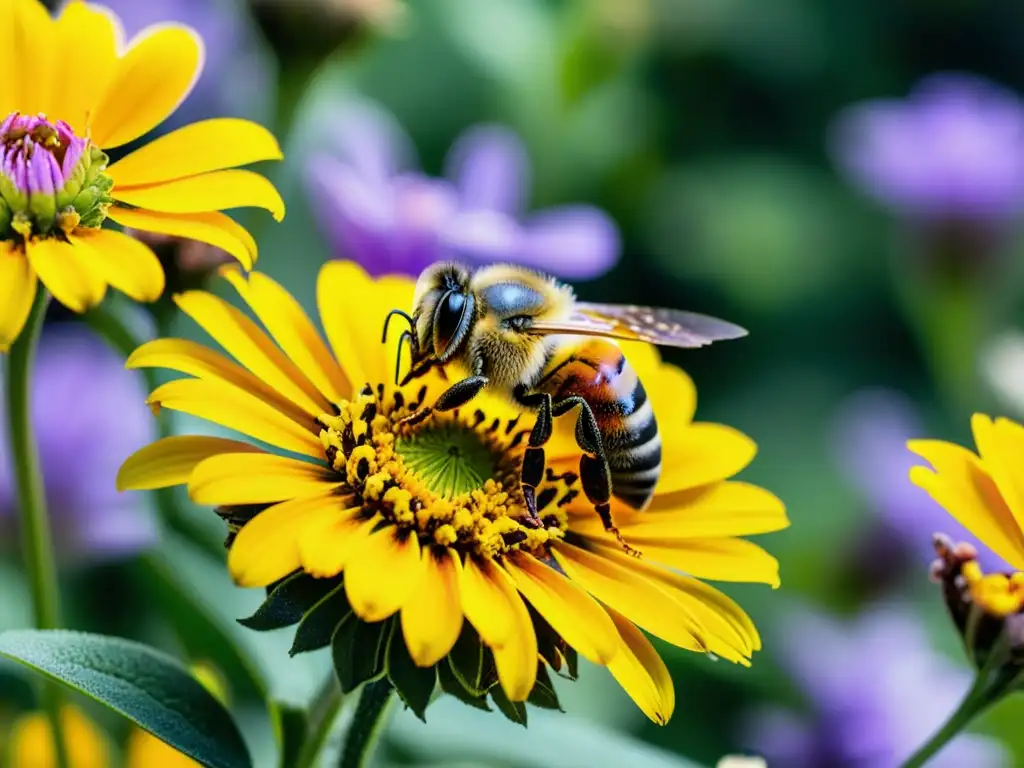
598 372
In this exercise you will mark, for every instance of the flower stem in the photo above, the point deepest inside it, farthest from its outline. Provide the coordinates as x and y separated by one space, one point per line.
37 543
366 724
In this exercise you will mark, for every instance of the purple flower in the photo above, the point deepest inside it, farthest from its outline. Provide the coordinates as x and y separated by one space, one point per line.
28 144
871 432
88 414
952 150
239 75
876 690
377 210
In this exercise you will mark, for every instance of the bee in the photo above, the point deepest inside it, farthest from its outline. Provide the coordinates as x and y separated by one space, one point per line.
524 335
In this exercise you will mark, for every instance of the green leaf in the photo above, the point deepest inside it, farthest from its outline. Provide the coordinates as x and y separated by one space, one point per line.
292 725
468 661
289 602
543 694
451 685
150 688
358 650
513 710
415 685
317 627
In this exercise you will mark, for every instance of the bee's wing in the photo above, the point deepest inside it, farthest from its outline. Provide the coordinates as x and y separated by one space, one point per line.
666 327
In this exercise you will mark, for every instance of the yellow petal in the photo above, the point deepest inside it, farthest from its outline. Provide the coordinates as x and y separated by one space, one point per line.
493 606
236 409
202 362
17 292
291 328
144 750
432 616
31 742
700 454
328 542
266 549
642 600
381 575
26 34
256 478
963 488
673 396
570 611
217 229
721 509
243 340
641 672
170 460
148 83
352 310
123 262
727 559
67 273
999 445
209 145
215 191
726 629
88 38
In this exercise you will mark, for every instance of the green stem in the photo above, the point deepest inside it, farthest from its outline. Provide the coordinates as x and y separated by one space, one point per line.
37 542
322 714
366 724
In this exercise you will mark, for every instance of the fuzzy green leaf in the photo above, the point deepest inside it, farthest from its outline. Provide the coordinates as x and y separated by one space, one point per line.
468 661
451 685
317 627
289 602
151 689
543 694
415 685
358 650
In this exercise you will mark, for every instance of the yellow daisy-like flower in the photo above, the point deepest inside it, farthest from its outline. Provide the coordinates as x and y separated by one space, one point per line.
80 90
31 745
403 546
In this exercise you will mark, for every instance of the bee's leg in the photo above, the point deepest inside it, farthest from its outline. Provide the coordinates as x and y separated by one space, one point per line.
457 395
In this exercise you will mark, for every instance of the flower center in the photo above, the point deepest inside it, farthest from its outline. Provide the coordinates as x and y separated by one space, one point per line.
51 181
453 480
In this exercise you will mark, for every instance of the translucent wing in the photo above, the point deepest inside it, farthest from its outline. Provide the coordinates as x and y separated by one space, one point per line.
666 327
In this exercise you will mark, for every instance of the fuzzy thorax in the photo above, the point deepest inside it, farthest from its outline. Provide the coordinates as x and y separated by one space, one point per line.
452 482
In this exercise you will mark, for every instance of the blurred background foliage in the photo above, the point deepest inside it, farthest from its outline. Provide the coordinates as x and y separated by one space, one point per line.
707 130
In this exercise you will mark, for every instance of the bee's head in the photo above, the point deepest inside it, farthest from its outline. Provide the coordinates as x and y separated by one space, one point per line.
443 311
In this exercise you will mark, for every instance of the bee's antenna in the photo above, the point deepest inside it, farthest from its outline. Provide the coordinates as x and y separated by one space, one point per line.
406 336
387 321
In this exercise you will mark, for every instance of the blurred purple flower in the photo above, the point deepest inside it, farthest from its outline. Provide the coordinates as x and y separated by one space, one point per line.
378 210
876 691
952 150
872 429
89 414
239 77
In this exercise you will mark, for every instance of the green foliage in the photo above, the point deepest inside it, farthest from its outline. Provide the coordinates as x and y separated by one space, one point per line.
148 687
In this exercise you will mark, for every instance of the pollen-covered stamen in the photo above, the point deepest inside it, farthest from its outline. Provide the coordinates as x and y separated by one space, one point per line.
453 479
51 181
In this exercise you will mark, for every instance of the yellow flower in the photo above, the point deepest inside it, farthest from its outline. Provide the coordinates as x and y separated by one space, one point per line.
386 536
80 90
32 745
984 491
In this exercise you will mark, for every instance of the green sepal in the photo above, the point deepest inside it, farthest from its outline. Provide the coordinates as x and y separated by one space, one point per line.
414 684
512 710
317 627
43 208
5 215
67 194
543 694
550 645
572 662
468 661
451 685
358 651
293 597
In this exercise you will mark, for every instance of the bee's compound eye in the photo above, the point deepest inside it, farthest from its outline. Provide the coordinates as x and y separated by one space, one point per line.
448 321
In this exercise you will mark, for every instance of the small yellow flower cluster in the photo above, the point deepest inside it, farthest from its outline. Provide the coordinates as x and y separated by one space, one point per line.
363 444
998 594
